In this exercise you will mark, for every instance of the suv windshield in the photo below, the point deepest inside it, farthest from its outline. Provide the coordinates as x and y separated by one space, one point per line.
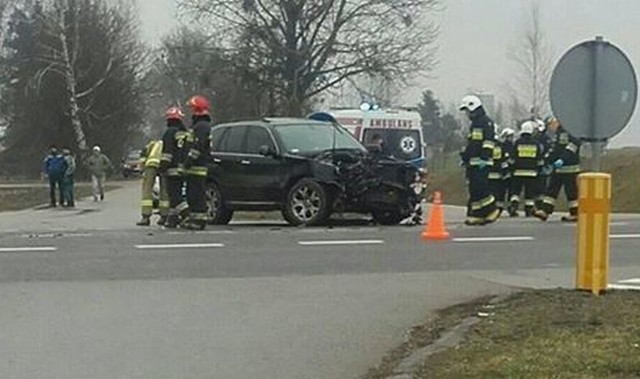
397 143
311 138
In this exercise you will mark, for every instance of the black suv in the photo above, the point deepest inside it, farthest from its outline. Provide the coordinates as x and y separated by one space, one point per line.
307 169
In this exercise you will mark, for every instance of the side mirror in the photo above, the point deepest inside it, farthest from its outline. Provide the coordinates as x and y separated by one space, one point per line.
266 151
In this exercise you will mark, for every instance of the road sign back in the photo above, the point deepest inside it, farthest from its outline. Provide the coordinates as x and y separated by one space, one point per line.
594 90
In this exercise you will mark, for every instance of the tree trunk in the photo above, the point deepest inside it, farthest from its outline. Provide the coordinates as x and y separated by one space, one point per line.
74 109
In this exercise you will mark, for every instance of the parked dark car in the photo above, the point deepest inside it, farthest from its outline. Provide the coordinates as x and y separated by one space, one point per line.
308 170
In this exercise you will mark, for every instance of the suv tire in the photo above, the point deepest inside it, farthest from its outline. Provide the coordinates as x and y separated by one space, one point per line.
307 203
217 214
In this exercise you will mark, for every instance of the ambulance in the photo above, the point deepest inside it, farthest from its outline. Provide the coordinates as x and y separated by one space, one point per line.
399 129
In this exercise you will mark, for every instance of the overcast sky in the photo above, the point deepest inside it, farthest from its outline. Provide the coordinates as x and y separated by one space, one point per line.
477 33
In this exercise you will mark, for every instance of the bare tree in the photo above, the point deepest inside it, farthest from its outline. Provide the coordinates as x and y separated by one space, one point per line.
301 48
532 57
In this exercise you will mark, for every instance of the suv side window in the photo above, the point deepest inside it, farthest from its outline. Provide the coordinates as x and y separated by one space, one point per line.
217 137
233 140
258 136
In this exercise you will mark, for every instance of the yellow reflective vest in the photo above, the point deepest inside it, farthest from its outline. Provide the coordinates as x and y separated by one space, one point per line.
152 154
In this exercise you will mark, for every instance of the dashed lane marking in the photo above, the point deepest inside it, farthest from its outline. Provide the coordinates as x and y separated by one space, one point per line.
624 236
626 284
177 246
344 242
30 249
493 239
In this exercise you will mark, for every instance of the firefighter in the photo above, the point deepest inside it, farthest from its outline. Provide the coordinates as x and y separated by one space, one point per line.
499 173
527 162
150 159
196 162
508 144
477 157
542 138
172 165
564 161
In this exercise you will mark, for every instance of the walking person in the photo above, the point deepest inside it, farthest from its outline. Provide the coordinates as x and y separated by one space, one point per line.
98 165
54 168
68 182
477 157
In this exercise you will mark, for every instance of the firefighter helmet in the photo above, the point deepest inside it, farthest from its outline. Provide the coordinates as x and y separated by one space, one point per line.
199 105
528 127
174 113
507 132
470 103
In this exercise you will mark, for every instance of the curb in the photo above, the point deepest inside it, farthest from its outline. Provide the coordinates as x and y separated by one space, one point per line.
409 366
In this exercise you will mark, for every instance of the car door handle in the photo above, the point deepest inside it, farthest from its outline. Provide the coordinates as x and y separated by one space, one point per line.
245 162
217 160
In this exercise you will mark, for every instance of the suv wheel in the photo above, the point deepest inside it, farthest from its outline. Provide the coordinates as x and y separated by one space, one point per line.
387 217
307 203
216 212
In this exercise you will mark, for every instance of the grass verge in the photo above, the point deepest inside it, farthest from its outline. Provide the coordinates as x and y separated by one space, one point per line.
13 199
622 164
543 334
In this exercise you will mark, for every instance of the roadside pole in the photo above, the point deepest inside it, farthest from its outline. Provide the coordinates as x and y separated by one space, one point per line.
593 94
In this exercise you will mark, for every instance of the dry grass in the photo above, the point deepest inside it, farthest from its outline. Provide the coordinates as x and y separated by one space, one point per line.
549 334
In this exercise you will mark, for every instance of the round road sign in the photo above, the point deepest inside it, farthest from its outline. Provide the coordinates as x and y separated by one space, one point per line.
593 90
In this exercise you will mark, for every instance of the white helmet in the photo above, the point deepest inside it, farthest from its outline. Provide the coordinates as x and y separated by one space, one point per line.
470 102
527 127
96 148
507 132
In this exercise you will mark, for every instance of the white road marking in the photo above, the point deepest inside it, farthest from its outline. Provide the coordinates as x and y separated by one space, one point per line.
202 232
630 281
180 246
27 249
623 287
624 236
493 239
335 242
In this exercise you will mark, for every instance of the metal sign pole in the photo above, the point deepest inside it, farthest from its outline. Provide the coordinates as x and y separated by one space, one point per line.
597 49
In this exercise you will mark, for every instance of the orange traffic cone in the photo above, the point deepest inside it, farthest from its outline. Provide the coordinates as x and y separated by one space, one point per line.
435 229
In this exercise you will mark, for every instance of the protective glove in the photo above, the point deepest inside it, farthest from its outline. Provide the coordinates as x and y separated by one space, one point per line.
482 164
558 163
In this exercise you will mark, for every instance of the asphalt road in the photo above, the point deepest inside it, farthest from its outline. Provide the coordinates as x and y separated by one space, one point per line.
85 295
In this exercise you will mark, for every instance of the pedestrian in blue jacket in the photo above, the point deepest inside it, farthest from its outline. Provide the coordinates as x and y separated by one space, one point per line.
55 167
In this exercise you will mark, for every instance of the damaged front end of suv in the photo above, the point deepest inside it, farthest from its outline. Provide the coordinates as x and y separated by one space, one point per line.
370 184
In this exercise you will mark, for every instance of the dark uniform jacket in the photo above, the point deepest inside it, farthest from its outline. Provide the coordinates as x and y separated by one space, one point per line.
567 148
199 144
174 153
528 157
500 168
481 140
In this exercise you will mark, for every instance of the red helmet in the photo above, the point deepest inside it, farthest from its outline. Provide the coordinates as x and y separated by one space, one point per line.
174 113
199 105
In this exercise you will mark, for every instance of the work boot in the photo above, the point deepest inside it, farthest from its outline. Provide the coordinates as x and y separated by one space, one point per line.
144 221
492 217
569 218
474 221
162 220
194 225
172 222
540 214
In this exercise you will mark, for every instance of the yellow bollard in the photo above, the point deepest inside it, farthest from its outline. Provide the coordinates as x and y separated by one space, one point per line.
593 231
